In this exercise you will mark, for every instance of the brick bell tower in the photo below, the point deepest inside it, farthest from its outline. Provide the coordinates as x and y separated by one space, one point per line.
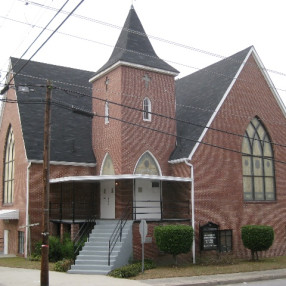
129 91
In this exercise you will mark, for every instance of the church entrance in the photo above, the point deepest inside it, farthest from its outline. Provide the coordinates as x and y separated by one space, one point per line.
107 199
147 199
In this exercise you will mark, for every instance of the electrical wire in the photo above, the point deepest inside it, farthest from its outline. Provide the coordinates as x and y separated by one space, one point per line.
7 85
156 114
90 113
169 61
40 33
144 34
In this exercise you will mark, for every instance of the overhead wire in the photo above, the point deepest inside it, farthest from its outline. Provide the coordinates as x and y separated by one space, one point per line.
92 114
7 85
156 114
170 61
144 34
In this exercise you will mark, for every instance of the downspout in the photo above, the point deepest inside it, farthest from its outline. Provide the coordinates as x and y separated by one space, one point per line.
193 209
27 210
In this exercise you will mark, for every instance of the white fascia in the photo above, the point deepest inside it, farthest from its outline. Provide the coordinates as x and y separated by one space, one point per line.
131 65
63 163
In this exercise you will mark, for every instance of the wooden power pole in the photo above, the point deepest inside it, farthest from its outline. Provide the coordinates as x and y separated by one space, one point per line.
46 190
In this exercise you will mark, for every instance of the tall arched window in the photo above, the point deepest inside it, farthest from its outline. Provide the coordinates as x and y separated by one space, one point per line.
146 109
8 169
106 112
257 164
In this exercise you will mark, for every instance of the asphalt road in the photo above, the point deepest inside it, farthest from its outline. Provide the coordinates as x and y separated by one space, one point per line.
276 282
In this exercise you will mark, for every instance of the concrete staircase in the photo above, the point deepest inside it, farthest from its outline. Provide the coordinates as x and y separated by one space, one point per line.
93 258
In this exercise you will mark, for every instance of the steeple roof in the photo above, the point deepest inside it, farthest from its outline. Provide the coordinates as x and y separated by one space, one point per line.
133 46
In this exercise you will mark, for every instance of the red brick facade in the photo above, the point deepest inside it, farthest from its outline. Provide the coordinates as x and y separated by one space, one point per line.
123 139
218 172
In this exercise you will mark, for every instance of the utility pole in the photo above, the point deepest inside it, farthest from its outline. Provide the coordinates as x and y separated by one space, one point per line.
46 190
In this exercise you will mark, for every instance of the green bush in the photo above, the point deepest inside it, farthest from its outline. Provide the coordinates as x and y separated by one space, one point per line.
174 239
57 250
131 270
63 265
257 238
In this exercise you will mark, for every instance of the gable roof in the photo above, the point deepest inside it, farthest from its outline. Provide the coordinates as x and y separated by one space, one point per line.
198 95
133 46
71 134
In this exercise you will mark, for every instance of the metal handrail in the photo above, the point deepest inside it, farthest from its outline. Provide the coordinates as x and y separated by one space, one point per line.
117 232
83 234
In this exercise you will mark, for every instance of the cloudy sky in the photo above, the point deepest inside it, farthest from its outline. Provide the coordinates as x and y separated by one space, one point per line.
188 34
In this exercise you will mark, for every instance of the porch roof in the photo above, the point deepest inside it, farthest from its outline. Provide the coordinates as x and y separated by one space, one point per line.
118 177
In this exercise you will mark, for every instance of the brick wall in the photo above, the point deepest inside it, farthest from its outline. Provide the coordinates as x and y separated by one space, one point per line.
218 173
126 142
11 117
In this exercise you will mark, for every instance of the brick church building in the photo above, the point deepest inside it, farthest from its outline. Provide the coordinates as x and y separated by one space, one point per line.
131 141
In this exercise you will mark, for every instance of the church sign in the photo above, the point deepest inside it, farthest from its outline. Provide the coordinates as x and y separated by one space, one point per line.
209 236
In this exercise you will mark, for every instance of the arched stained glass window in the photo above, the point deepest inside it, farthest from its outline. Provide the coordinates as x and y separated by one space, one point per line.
146 109
9 162
257 164
107 166
147 165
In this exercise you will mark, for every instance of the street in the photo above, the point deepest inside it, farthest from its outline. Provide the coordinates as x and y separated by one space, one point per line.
275 282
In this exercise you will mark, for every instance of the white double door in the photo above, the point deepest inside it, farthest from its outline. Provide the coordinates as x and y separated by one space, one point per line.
107 199
147 203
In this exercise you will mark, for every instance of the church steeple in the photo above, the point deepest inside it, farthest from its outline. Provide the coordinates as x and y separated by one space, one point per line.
134 47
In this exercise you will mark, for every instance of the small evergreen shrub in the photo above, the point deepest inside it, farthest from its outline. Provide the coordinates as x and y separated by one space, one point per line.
131 270
63 265
174 239
257 238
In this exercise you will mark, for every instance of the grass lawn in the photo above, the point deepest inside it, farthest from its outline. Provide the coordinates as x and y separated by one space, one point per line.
171 271
20 262
196 270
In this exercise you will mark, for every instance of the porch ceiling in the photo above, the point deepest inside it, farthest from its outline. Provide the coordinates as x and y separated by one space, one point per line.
118 177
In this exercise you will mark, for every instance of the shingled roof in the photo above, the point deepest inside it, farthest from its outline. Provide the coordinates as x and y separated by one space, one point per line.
71 137
133 46
197 97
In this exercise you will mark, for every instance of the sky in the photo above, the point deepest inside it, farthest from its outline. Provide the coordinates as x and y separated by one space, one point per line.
188 34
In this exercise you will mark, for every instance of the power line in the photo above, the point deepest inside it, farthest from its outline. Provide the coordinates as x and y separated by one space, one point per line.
155 100
40 33
91 114
172 62
143 34
152 113
7 85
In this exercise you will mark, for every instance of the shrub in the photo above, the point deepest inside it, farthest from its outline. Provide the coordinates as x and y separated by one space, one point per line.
57 250
131 270
174 239
63 265
257 238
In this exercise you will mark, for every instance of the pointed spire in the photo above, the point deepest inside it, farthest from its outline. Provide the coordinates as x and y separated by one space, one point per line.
133 46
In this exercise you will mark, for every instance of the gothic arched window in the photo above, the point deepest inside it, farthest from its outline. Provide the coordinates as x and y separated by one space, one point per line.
9 162
257 164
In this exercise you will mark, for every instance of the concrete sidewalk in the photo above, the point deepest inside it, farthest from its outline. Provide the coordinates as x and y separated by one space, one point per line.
29 277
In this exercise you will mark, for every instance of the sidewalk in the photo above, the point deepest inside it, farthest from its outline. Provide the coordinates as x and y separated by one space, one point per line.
29 277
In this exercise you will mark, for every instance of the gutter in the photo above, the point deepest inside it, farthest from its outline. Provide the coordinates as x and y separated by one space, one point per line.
27 211
193 208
